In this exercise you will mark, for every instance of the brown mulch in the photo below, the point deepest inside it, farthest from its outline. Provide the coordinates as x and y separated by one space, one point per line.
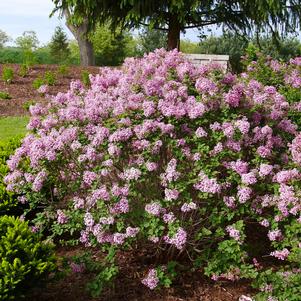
127 285
21 89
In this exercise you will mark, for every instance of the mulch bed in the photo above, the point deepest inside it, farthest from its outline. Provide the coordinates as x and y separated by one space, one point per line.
21 89
127 285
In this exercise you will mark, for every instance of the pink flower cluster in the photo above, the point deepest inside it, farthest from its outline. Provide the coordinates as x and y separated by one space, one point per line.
151 280
43 89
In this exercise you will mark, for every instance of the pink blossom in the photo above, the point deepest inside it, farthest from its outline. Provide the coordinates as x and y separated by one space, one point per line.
248 178
186 207
132 232
274 235
200 132
43 89
234 233
151 280
244 194
282 255
61 217
179 239
265 169
153 209
171 194
77 268
89 177
132 174
169 217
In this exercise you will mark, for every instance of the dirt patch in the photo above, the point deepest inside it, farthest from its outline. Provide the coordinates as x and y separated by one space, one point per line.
21 89
127 285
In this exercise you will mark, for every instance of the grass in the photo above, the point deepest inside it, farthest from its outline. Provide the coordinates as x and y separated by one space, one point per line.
13 126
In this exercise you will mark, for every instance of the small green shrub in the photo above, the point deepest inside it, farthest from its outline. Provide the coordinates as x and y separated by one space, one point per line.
29 57
38 82
85 78
4 95
23 71
8 74
24 258
63 70
28 103
49 78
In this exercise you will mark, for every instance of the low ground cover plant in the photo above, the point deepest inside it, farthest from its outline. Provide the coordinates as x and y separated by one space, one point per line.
29 103
63 70
50 78
23 70
38 82
7 74
4 95
202 165
41 83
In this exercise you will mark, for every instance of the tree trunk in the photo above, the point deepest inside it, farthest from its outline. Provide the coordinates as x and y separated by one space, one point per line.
80 33
173 36
86 52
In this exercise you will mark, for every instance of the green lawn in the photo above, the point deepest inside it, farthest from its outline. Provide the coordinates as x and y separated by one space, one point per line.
12 126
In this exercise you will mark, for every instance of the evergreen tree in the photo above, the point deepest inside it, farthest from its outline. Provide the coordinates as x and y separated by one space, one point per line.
59 45
175 16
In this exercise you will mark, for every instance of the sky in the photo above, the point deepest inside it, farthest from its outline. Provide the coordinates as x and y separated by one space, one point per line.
17 16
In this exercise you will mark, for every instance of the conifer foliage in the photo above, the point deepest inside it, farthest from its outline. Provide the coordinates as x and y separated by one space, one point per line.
59 45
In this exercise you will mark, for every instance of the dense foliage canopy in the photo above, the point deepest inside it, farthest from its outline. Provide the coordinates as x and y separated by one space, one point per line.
176 16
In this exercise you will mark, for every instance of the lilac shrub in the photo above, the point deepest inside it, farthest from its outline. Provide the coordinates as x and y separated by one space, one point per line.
197 163
285 76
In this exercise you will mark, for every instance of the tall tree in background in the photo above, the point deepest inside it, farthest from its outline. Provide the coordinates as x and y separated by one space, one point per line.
175 16
59 45
4 38
28 41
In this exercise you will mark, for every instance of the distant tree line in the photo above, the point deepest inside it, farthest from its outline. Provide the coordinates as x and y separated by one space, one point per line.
112 48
